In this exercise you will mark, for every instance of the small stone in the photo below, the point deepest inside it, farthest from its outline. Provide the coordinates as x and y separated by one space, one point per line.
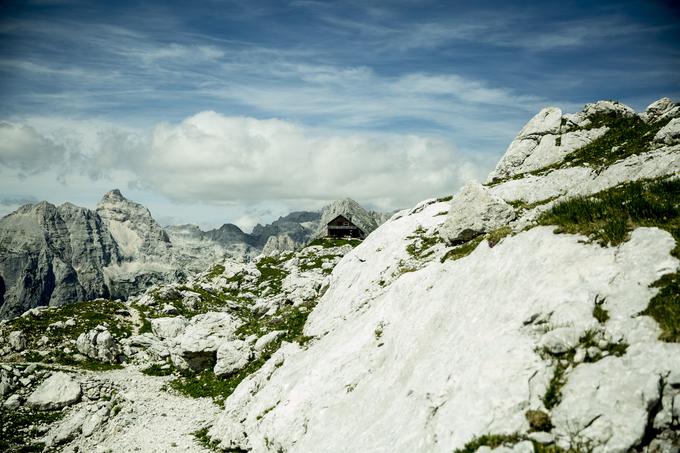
12 402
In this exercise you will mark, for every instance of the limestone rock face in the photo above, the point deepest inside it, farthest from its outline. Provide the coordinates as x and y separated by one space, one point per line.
51 255
56 392
474 210
138 235
279 244
98 344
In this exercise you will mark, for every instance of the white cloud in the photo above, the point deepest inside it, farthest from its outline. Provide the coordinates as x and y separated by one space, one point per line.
211 158
24 149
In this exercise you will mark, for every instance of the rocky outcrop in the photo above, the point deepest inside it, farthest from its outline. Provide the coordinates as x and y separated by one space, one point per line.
98 344
474 211
279 243
51 255
56 392
137 234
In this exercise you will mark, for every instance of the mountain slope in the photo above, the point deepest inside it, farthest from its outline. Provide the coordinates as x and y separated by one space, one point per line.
442 332
537 312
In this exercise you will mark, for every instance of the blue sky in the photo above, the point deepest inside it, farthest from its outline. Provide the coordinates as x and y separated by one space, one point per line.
238 111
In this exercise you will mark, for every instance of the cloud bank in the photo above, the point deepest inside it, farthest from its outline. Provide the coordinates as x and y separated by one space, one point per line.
212 158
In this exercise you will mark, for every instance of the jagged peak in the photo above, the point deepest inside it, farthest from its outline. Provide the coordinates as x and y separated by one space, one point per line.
113 195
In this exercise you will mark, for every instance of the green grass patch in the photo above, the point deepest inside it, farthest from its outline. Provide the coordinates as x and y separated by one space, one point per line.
19 428
445 199
202 438
490 440
422 245
215 271
158 369
608 216
665 306
463 250
84 317
334 242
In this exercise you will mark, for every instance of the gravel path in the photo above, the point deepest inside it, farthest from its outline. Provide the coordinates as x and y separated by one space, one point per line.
151 419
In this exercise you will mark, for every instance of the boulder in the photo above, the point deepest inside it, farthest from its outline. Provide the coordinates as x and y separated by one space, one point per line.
474 211
196 348
560 340
670 133
168 327
267 339
609 108
12 402
17 340
56 392
660 110
544 123
231 357
98 344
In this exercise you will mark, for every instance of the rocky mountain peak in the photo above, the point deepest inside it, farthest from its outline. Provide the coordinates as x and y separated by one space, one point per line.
137 233
351 210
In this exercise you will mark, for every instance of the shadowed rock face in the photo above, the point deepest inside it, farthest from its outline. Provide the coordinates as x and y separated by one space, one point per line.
50 255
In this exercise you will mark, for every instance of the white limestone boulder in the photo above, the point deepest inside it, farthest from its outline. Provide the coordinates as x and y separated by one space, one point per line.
231 357
17 340
196 348
670 133
56 392
267 339
165 328
608 108
546 122
98 344
660 110
474 210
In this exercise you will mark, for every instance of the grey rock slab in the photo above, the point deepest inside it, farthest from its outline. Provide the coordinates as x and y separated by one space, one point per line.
165 328
56 392
473 211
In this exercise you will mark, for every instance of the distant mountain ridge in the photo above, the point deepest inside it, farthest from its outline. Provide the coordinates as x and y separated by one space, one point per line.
53 255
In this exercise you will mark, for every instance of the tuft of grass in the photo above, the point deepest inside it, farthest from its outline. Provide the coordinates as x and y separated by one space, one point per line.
334 242
215 271
490 440
665 306
463 250
202 438
497 235
599 312
553 394
158 369
422 245
608 216
493 238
